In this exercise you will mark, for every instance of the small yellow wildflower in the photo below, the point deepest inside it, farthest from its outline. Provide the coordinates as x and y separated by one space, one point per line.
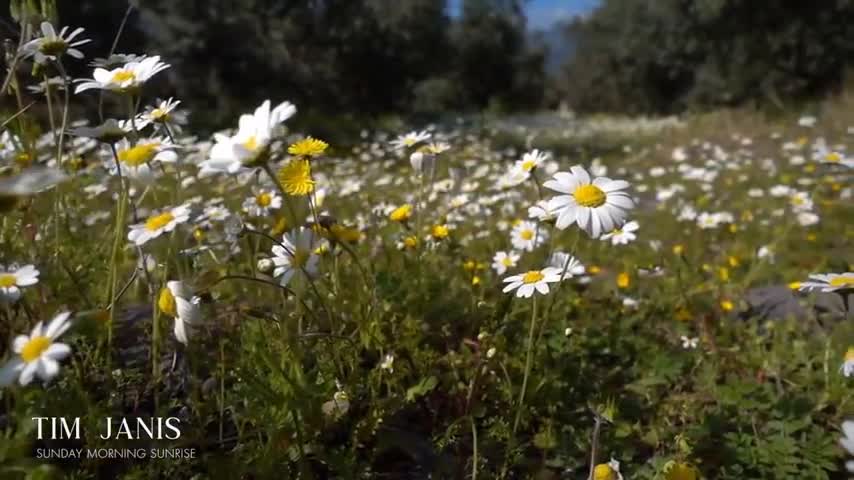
593 269
295 178
603 471
623 280
440 232
410 242
308 147
678 249
727 305
680 471
401 213
166 303
795 286
475 280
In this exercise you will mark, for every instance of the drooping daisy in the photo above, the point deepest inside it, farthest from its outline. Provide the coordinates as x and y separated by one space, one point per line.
29 182
231 154
526 283
542 211
177 301
129 77
12 279
565 262
162 113
410 139
597 206
295 177
622 235
37 354
158 224
401 213
295 255
261 203
525 236
829 282
502 261
51 46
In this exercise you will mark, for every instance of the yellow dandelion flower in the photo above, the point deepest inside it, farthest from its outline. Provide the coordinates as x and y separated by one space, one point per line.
475 280
440 232
410 242
680 471
401 213
308 147
623 280
678 249
166 303
295 178
727 305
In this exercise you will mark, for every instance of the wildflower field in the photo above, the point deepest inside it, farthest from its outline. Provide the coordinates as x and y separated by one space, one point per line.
637 300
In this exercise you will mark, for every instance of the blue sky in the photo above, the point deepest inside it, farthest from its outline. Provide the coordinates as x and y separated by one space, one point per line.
544 13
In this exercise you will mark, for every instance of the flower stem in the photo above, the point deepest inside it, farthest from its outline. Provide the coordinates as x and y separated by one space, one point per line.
528 360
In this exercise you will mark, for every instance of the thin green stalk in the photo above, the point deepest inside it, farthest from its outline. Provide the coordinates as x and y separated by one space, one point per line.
528 360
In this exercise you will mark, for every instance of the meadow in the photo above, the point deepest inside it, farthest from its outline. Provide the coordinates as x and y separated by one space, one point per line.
625 298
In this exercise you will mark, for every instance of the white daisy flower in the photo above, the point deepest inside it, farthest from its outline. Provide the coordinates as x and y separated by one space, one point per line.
137 161
260 204
295 255
37 354
230 154
526 283
502 261
388 363
542 211
622 235
410 139
50 46
596 206
564 261
525 236
177 301
531 160
689 343
829 282
130 76
162 113
13 279
847 367
158 224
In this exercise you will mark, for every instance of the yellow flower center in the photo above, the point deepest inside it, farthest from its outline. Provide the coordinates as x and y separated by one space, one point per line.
533 276
7 280
251 143
604 472
833 157
159 221
263 199
849 355
308 147
401 213
528 165
623 280
138 155
166 303
842 282
123 76
527 234
34 348
158 114
54 47
589 196
507 261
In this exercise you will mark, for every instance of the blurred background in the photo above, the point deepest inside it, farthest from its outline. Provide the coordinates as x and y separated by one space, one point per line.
369 59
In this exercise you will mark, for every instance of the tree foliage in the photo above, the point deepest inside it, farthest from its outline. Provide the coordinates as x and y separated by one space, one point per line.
668 55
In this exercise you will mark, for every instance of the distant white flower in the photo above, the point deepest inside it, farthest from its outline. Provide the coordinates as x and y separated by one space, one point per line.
11 281
158 224
128 77
806 219
689 343
502 261
531 160
37 354
596 206
807 121
622 235
51 46
295 255
542 211
410 139
388 363
525 236
262 203
526 283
